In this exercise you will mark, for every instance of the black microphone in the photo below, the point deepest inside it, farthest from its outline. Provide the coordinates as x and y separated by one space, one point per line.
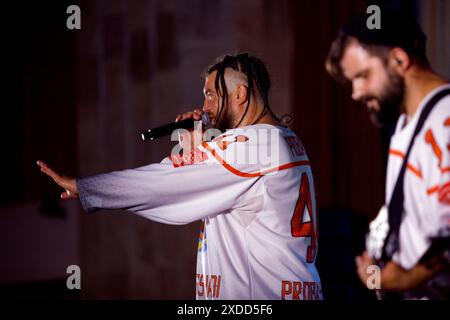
167 129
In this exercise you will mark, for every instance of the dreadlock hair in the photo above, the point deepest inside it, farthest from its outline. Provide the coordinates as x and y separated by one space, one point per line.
256 73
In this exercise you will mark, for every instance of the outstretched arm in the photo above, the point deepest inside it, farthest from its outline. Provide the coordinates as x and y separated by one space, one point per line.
65 182
70 184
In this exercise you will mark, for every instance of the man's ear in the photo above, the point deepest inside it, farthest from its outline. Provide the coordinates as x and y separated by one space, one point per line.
241 94
399 60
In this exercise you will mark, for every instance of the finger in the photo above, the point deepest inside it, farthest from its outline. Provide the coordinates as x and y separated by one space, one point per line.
181 117
41 164
368 259
197 114
189 115
66 195
48 171
362 277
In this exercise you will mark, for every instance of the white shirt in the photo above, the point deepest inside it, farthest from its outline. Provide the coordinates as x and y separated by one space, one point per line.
426 181
254 191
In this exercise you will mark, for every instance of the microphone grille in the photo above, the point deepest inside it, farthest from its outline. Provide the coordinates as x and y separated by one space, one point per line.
206 119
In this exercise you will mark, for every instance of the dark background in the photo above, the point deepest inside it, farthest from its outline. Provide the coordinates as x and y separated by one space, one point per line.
79 99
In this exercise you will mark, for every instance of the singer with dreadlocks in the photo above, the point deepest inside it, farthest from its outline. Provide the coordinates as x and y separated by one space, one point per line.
251 186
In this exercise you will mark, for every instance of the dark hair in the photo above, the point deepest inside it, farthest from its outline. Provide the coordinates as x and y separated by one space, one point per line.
333 62
397 30
258 80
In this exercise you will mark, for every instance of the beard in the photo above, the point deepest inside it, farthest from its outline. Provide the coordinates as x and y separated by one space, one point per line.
390 102
227 119
223 122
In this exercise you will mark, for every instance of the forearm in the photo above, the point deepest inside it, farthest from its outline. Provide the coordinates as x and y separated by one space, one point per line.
395 278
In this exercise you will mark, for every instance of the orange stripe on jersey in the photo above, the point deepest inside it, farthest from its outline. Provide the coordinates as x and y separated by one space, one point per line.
447 122
444 170
409 166
432 190
224 144
444 193
252 174
429 138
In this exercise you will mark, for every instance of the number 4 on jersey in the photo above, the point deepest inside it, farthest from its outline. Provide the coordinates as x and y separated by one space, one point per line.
301 224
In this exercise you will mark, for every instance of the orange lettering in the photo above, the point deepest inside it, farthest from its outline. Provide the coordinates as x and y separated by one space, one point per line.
286 289
429 138
297 290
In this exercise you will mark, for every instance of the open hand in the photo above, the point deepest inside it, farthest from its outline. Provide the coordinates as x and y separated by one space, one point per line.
65 182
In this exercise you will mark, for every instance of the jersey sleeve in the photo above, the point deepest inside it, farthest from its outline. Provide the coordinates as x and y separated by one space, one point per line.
168 192
437 170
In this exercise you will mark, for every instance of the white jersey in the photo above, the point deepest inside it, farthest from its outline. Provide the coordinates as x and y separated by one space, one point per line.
426 182
253 189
